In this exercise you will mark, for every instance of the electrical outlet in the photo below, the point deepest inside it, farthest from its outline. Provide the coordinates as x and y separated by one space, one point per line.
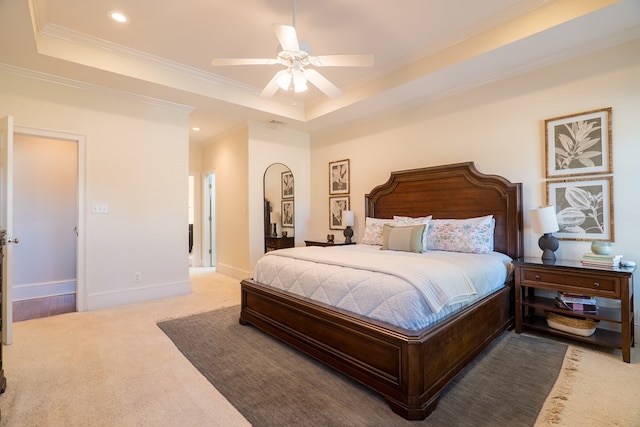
137 277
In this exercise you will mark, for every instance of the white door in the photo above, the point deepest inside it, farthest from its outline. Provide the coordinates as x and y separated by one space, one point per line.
6 223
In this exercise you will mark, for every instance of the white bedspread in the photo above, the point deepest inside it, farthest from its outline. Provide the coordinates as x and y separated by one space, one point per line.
441 283
403 289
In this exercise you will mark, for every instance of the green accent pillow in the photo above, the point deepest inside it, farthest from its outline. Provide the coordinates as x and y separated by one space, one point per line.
407 239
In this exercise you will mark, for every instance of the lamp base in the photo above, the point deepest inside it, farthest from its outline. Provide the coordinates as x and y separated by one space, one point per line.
348 234
275 232
549 244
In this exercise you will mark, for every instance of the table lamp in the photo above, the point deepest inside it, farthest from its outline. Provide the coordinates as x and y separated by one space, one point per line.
545 222
348 220
275 219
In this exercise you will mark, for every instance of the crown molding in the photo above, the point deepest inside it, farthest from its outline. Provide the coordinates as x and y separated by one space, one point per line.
63 81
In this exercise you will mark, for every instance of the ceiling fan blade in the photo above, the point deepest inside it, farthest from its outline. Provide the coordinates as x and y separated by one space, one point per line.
319 81
358 60
244 61
287 37
272 87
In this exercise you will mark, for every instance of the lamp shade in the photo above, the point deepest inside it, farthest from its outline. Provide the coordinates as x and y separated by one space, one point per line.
275 217
544 220
284 80
348 218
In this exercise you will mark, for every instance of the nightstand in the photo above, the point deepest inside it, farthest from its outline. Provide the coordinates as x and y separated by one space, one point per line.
325 244
532 274
273 243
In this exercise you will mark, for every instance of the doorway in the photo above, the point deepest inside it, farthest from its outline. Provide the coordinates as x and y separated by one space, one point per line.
46 218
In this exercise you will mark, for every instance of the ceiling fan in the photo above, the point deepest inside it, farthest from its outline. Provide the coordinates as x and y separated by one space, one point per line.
296 56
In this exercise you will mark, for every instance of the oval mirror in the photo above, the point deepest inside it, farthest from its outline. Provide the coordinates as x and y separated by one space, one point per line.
279 230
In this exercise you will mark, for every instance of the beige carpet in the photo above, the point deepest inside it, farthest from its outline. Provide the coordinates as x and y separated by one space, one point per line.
115 367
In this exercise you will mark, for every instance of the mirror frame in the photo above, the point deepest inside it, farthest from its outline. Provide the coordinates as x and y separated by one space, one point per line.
278 192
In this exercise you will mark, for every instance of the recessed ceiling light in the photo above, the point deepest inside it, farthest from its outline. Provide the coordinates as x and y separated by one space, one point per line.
119 17
195 129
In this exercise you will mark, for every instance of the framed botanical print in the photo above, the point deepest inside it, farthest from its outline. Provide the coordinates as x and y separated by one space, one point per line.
584 208
339 177
287 185
287 213
337 204
579 144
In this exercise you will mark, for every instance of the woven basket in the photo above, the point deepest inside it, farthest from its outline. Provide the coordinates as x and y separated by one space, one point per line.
573 325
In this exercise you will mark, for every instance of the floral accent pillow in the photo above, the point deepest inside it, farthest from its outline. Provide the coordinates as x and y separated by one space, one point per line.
472 235
373 230
405 221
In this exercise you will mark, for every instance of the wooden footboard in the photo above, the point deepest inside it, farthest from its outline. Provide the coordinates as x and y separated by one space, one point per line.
409 369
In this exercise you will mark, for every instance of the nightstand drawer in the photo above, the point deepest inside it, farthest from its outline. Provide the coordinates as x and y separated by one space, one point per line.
596 284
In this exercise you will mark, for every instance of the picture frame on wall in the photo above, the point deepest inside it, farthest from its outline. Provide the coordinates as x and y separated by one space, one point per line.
337 204
579 144
287 185
287 213
584 208
339 177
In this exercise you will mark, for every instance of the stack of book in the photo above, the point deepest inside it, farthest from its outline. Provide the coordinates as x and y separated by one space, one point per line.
576 302
594 260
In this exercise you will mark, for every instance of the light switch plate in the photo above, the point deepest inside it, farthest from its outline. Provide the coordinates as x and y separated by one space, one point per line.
99 208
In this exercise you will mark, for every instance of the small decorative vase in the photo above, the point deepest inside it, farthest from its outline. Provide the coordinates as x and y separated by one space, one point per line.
601 248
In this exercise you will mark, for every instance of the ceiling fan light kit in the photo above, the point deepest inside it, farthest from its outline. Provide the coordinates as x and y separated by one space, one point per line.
296 56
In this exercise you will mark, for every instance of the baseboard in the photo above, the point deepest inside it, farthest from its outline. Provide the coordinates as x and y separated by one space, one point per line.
234 272
129 296
43 289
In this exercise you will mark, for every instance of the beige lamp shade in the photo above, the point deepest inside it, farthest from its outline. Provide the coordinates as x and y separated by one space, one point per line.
348 218
275 217
544 220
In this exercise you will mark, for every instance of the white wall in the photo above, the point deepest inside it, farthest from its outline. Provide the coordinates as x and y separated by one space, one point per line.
45 213
291 148
240 158
137 162
501 128
227 156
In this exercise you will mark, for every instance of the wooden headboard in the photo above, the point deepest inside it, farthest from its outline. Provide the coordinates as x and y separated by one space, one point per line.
453 191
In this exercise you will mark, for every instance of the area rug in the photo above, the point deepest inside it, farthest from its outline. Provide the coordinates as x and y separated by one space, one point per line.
271 384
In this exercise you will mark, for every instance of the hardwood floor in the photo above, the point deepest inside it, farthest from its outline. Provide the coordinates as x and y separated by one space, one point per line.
43 307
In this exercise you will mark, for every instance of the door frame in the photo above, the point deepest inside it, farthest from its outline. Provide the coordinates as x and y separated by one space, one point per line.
81 291
209 256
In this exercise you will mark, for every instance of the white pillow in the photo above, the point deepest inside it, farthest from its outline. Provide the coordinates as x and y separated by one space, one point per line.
373 231
472 235
407 239
404 221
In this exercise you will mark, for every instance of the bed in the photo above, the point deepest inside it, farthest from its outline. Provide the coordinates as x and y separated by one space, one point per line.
408 368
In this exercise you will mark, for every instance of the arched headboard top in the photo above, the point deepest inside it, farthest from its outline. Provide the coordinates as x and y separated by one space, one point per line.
454 191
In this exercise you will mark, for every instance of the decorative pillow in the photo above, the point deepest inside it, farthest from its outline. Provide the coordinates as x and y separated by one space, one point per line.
373 231
407 239
404 221
472 235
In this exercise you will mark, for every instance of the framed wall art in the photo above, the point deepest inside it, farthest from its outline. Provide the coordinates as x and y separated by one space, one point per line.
584 208
339 177
579 144
287 213
287 185
337 204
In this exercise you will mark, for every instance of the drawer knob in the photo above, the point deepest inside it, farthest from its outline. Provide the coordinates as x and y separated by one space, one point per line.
596 284
537 277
